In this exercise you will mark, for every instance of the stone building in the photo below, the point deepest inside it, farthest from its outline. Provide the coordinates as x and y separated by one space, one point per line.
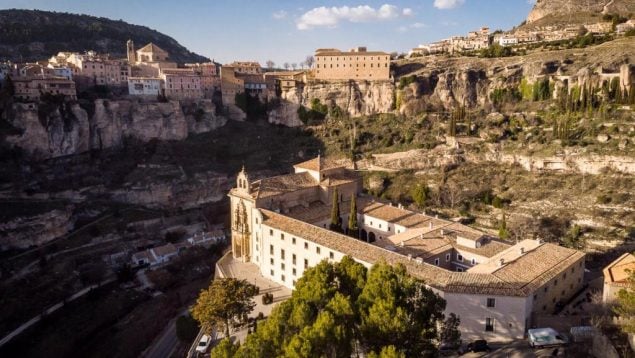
210 77
181 83
31 88
148 60
356 64
616 276
246 67
145 86
90 68
496 288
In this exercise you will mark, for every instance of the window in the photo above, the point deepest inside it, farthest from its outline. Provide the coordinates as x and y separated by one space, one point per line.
555 283
459 257
331 255
306 245
293 271
447 257
271 261
270 232
473 261
293 240
270 249
436 262
256 246
272 273
459 269
293 259
535 297
489 325
282 277
491 302
282 266
546 289
306 263
317 250
281 236
282 254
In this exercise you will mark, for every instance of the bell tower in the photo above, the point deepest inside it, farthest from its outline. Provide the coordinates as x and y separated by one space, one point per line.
132 57
241 207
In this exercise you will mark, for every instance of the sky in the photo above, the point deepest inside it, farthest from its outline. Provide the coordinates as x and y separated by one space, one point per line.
290 30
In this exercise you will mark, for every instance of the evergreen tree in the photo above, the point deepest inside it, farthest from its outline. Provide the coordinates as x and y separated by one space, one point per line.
353 228
336 221
502 229
450 333
625 308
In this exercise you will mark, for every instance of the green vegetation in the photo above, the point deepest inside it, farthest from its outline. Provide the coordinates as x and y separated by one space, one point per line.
57 31
186 328
336 220
419 194
625 308
496 50
341 308
316 114
353 227
406 81
225 304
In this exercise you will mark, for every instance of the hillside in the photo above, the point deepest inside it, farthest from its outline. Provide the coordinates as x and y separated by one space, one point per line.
29 35
552 12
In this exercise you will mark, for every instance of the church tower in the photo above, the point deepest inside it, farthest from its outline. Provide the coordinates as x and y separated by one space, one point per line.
132 57
241 207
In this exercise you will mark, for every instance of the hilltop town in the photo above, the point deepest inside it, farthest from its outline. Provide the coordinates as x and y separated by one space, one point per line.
495 169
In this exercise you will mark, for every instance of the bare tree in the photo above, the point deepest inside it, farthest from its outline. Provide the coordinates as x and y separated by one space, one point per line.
294 65
286 66
310 60
270 64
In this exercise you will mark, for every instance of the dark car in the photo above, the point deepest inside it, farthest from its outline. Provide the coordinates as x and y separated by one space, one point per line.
447 349
479 345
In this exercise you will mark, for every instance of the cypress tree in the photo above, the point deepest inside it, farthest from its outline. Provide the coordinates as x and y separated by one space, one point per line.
335 213
353 229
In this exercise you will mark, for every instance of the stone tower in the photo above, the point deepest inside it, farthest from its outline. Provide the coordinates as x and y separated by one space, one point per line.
241 207
132 57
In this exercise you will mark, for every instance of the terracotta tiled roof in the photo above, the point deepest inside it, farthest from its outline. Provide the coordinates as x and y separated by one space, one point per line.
489 247
152 48
167 249
321 163
616 272
352 54
520 277
282 184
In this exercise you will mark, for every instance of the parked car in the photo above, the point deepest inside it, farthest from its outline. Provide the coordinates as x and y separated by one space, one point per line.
203 344
546 337
479 345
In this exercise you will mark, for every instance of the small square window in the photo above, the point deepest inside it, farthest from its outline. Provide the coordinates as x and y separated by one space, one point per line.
317 250
491 302
459 257
436 262
282 277
271 261
294 272
272 273
282 237
293 240
282 266
306 263
447 257
270 232
331 255
306 245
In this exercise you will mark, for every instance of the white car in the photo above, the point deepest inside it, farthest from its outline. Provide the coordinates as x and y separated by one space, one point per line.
203 344
546 337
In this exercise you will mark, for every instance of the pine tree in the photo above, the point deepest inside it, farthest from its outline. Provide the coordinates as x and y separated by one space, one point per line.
353 228
335 213
502 229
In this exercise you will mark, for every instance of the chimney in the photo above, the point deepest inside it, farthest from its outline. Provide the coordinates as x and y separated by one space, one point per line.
442 232
431 225
401 243
522 250
409 257
501 262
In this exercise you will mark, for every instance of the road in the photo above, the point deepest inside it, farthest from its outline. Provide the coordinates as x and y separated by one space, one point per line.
165 344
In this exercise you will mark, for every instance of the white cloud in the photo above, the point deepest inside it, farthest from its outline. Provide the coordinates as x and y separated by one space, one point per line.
332 16
279 15
448 4
416 25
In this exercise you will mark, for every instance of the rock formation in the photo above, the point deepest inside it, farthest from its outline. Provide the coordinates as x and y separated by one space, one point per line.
54 131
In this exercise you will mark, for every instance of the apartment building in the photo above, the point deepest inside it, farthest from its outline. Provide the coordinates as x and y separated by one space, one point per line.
496 288
181 83
31 88
246 67
356 64
210 77
145 86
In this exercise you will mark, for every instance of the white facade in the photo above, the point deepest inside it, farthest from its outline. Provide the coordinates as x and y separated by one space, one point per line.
144 86
508 41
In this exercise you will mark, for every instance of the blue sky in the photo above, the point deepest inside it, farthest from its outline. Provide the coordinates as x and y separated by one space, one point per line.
288 31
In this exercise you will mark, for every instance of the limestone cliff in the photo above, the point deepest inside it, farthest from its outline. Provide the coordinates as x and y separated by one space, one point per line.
573 8
443 83
49 131
357 98
31 230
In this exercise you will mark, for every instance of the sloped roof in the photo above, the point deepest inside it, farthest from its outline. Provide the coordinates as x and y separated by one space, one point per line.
152 48
617 271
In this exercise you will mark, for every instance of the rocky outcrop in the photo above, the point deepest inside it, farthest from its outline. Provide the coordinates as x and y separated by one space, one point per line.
26 231
67 129
357 98
544 8
179 193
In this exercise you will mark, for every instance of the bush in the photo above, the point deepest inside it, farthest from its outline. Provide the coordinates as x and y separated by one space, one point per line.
267 298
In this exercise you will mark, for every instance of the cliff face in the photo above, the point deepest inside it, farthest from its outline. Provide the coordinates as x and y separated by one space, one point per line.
26 231
570 8
67 129
355 98
444 83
